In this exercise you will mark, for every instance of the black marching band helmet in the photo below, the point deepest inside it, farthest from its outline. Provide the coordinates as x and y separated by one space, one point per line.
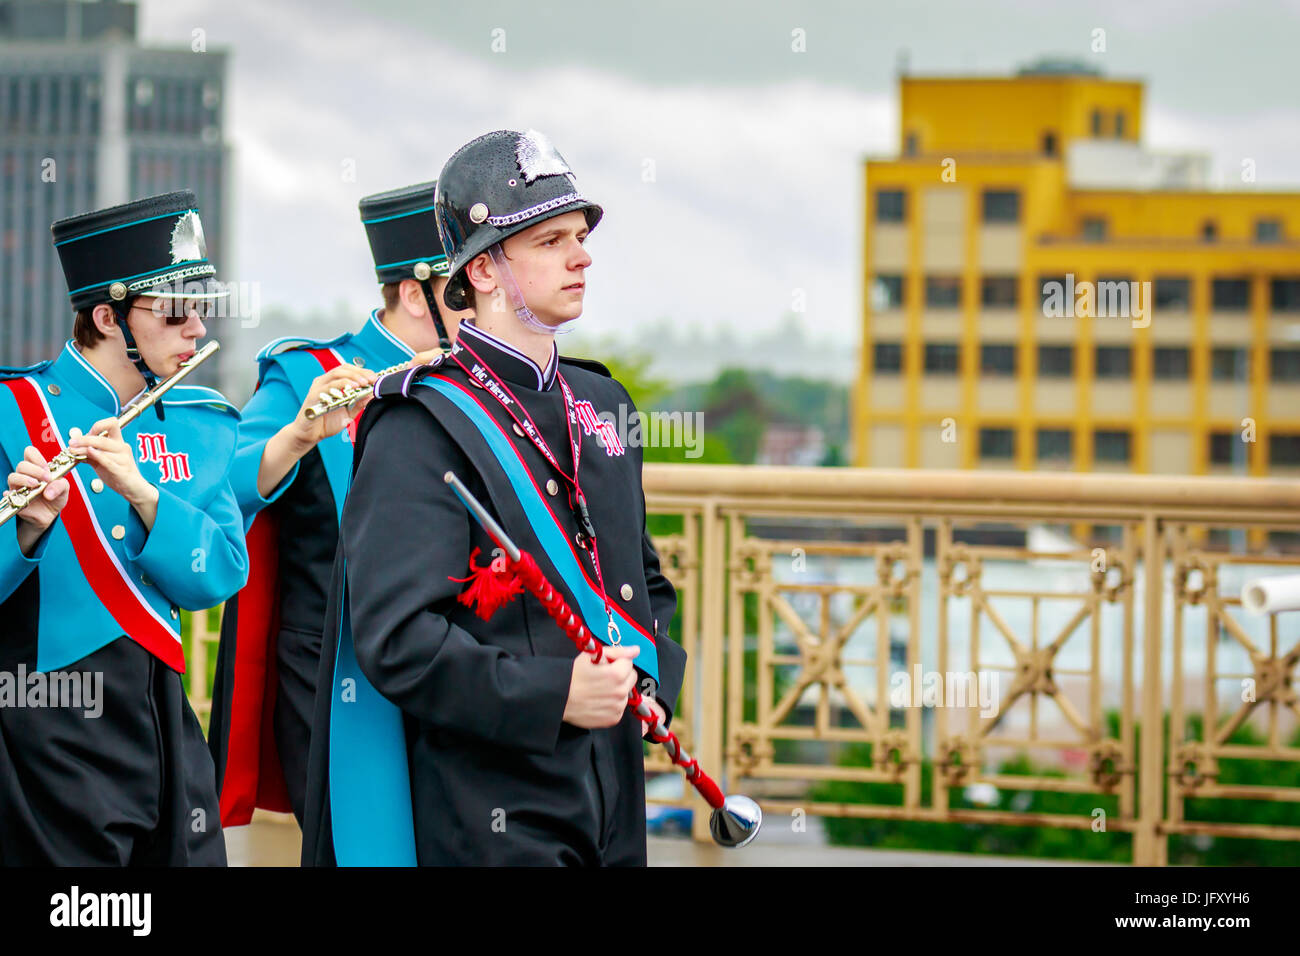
404 242
495 186
153 246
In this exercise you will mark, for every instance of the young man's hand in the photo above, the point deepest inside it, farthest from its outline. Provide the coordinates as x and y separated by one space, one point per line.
113 460
45 507
295 440
308 432
598 692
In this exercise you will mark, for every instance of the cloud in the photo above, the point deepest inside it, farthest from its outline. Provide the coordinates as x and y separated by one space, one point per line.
720 202
1269 137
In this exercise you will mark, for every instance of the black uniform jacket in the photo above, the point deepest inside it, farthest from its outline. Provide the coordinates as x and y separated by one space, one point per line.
497 777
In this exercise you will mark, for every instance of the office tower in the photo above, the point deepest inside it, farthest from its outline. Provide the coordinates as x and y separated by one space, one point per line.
90 118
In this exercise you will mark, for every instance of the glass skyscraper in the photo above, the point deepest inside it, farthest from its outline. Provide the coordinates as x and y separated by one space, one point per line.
89 118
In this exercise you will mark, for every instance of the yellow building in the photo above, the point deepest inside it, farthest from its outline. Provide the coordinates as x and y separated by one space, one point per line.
1042 292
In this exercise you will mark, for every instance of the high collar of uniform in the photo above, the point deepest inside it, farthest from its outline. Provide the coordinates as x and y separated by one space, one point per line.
375 340
75 369
505 361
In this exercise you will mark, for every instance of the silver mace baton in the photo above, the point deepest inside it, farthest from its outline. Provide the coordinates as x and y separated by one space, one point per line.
736 818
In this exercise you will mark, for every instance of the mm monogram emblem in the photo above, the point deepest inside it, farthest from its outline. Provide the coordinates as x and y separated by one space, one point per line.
602 429
172 466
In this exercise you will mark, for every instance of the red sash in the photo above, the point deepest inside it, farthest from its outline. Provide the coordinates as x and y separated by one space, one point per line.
103 572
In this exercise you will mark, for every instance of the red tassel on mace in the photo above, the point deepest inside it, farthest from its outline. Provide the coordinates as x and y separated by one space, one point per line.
491 586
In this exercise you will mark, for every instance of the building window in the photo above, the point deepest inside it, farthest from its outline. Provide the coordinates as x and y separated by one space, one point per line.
1224 446
1119 124
1268 230
1111 446
1287 541
1173 292
1284 449
1096 123
1209 230
1094 229
998 361
1284 365
941 358
1171 363
887 293
1285 294
1230 295
1049 144
1001 205
891 205
943 292
1000 292
1055 361
887 358
1228 365
1114 361
997 443
1055 444
911 144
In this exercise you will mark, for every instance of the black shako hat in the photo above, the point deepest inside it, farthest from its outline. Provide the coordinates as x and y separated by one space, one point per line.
495 186
403 233
153 246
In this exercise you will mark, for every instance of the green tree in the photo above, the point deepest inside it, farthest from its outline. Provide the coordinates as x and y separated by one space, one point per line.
734 410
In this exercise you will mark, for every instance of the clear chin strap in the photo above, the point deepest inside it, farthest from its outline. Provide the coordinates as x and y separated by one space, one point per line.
517 300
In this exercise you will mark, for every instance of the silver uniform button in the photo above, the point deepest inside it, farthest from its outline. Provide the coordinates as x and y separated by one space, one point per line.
176 612
97 485
551 487
359 362
119 532
518 431
52 389
146 581
626 591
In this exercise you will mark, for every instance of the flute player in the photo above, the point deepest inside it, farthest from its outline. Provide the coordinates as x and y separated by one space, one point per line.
102 760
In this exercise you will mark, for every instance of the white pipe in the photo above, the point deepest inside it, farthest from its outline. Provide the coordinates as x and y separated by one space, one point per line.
1270 595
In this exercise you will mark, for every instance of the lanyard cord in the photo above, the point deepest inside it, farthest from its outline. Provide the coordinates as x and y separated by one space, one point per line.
587 536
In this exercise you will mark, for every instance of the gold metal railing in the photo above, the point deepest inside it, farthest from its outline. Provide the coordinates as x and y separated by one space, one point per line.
804 593
745 526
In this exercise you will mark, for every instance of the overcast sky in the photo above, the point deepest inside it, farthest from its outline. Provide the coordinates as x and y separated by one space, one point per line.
754 151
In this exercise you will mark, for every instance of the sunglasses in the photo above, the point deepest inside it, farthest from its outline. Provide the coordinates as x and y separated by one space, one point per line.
178 311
